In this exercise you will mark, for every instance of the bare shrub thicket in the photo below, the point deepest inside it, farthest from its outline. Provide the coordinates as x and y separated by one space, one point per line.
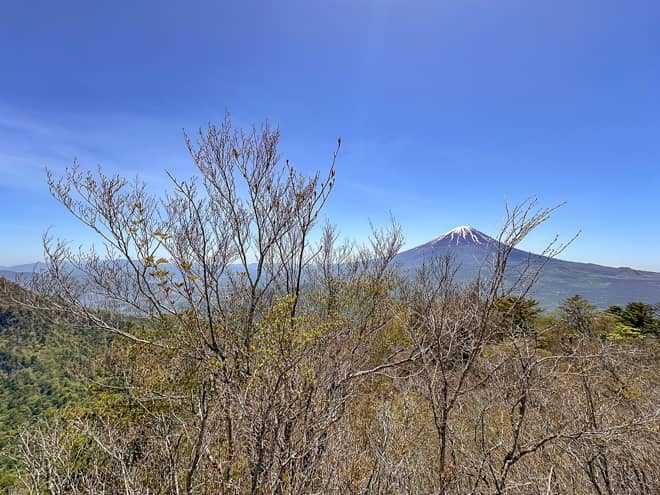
253 356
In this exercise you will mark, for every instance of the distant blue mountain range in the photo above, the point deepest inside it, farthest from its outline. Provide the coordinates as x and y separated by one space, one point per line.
472 252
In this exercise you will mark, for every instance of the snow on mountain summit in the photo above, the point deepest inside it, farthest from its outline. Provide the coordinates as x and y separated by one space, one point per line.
463 233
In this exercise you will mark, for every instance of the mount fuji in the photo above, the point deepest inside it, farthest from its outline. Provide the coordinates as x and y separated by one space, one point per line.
473 252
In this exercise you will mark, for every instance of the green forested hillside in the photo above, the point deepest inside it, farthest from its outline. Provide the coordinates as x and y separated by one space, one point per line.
42 368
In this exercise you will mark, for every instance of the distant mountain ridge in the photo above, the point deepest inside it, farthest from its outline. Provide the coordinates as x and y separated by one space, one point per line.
472 251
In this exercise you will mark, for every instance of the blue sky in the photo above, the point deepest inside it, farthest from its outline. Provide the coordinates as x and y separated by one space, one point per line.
446 109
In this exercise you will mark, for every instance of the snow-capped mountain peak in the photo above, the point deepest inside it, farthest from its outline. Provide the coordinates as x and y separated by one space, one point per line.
464 233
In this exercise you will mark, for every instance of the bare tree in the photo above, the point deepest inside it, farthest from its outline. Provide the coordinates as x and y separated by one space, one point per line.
251 338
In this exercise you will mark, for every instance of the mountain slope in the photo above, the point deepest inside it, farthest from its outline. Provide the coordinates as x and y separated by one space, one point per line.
473 251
